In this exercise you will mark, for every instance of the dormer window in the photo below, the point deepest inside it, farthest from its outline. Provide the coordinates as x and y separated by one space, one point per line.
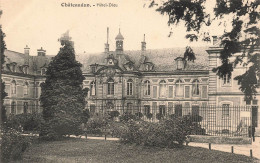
147 67
179 63
25 69
43 71
93 69
13 67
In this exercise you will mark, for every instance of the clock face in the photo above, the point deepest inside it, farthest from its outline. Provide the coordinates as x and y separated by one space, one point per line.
110 62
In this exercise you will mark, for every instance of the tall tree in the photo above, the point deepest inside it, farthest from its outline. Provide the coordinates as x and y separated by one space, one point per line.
62 97
244 35
3 93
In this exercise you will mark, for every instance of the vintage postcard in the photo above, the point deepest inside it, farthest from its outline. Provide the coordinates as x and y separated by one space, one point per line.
130 81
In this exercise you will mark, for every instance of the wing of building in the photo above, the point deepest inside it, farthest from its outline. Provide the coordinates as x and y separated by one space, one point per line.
147 81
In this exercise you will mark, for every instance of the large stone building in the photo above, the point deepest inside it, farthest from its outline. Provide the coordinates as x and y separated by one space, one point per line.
146 81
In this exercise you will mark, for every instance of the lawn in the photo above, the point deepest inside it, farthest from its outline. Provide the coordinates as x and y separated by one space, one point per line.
80 150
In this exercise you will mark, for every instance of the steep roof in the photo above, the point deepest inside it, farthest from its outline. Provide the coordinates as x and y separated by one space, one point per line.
35 63
119 36
163 59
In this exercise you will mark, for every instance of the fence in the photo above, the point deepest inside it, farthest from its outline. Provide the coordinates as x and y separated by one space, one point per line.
213 120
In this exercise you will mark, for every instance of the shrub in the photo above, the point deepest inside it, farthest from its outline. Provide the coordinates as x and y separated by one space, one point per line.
194 126
97 124
149 115
29 122
159 116
57 128
139 115
114 114
166 133
126 117
13 144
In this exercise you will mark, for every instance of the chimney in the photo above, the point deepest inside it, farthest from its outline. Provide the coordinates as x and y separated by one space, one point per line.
27 54
106 44
143 44
215 40
41 52
27 50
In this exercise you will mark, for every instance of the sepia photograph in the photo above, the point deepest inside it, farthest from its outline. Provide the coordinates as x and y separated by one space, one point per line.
96 81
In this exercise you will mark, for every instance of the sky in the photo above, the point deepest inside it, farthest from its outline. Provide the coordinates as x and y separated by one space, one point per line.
40 23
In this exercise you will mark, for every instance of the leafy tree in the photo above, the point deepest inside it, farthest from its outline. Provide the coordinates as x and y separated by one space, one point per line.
62 97
243 36
3 93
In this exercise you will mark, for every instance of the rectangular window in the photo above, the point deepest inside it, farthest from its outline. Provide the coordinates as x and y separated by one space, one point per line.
154 108
25 107
204 91
195 110
170 91
178 110
162 110
147 109
226 81
186 108
154 91
179 90
225 110
187 91
129 108
129 88
170 108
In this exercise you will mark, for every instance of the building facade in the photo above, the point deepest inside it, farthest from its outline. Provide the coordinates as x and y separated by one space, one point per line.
147 81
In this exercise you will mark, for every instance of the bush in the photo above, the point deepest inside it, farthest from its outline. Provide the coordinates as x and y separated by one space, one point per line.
149 115
139 115
28 122
114 114
97 124
159 116
167 133
13 145
56 129
126 117
194 126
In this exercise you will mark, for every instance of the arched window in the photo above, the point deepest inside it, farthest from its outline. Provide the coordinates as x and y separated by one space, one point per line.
13 87
179 88
93 88
110 86
147 88
129 90
195 87
25 88
13 108
162 85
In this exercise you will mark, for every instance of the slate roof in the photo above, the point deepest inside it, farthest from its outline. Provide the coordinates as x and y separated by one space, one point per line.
163 59
35 62
119 36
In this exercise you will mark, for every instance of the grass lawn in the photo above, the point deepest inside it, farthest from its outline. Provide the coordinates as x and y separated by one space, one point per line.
80 150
